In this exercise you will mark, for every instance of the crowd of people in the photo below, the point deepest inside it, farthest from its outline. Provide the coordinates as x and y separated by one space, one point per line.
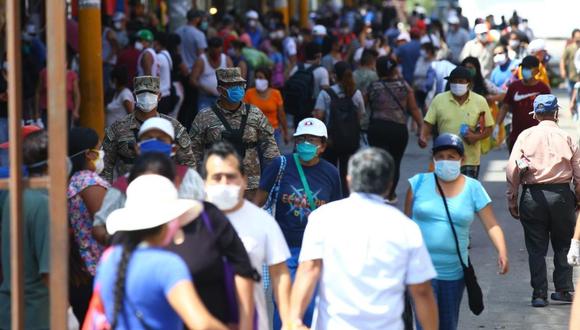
192 212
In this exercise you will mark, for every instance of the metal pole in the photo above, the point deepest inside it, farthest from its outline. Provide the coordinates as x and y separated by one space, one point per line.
91 63
15 152
57 151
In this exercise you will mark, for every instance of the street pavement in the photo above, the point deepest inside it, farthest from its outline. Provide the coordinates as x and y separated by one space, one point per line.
507 298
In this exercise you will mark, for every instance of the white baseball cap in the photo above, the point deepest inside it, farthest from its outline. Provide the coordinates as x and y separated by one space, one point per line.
311 126
453 19
536 45
118 16
480 28
152 201
319 30
252 14
158 123
404 36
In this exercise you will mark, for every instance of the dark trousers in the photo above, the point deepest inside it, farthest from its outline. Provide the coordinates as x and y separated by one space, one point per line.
164 106
188 109
340 160
80 297
471 171
393 138
547 213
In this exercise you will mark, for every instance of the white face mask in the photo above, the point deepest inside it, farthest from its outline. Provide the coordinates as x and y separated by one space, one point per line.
514 43
100 162
138 45
146 101
261 85
118 25
458 89
224 196
500 59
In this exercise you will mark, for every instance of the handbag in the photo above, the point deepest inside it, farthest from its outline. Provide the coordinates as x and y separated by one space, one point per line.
474 293
270 205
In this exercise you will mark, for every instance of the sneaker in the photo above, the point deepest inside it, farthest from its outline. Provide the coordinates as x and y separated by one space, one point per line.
539 302
564 296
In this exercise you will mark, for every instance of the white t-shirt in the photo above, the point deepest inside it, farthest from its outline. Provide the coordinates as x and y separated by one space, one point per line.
366 264
165 66
265 244
320 77
115 108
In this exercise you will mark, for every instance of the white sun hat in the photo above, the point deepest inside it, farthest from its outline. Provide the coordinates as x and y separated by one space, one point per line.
157 123
311 126
319 30
152 201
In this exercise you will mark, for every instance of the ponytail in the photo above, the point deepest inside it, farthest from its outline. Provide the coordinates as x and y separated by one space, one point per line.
347 83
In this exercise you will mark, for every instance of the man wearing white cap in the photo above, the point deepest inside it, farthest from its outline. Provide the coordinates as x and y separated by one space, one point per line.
481 48
253 28
295 185
537 48
456 38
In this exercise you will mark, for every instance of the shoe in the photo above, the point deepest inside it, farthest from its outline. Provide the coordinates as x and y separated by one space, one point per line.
564 296
539 302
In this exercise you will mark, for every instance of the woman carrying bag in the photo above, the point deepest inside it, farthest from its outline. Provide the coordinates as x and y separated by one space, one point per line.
444 205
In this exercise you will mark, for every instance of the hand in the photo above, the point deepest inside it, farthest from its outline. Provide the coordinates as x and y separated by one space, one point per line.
470 137
422 142
514 211
503 264
286 138
574 253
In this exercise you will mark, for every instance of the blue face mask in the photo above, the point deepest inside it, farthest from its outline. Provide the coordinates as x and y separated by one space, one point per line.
319 41
306 151
527 74
235 94
155 145
447 170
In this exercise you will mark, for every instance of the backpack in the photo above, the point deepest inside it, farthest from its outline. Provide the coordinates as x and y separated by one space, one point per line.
343 124
298 92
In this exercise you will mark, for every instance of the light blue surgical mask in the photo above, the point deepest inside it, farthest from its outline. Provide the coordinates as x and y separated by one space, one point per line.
447 170
204 25
306 151
527 74
235 94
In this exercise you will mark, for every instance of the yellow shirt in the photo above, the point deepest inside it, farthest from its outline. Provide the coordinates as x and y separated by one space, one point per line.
541 76
448 115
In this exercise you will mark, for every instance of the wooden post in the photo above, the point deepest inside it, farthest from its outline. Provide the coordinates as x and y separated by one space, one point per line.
304 13
57 153
15 152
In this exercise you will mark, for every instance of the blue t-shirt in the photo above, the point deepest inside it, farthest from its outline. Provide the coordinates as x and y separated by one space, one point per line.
292 208
502 73
429 213
408 55
151 274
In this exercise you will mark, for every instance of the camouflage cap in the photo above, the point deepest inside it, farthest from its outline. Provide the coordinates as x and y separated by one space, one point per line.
146 84
229 75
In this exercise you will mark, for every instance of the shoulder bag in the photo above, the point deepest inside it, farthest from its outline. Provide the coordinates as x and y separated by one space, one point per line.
272 200
307 190
474 294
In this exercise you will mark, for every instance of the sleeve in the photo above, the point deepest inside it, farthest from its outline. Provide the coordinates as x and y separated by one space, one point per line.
512 173
192 186
268 177
419 266
277 250
323 101
577 59
113 200
171 270
313 241
291 47
431 116
41 228
491 87
277 96
413 183
359 101
480 197
201 41
184 154
127 96
430 81
110 149
196 135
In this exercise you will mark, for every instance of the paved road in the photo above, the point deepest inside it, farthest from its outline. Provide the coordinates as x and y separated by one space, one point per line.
507 298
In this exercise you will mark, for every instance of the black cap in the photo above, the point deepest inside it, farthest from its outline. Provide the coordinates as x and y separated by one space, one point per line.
194 13
460 72
530 62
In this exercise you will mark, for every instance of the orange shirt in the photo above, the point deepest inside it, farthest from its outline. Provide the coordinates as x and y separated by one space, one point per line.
268 106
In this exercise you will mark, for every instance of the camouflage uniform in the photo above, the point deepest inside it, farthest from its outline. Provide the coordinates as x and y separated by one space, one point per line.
258 133
121 138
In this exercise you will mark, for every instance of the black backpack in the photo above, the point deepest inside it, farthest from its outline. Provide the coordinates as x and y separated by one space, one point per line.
343 124
298 92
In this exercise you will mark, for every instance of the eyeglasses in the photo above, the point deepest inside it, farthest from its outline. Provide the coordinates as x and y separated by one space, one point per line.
309 139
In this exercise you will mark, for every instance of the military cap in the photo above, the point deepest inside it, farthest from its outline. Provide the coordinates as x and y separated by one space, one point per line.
146 84
229 75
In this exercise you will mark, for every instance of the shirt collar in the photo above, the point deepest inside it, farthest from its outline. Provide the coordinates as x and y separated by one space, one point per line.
372 197
549 123
452 99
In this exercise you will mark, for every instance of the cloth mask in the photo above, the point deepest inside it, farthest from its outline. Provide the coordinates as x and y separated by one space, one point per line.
500 59
514 43
172 228
224 196
118 25
458 89
306 151
204 25
447 170
139 46
235 94
99 163
527 74
154 145
261 85
147 101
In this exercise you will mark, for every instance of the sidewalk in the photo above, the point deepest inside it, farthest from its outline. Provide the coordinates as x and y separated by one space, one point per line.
507 298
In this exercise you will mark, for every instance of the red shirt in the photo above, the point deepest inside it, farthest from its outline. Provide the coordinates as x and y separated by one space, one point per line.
520 98
129 57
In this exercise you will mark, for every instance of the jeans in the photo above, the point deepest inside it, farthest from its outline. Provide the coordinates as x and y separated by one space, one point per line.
448 295
3 138
205 101
547 213
292 264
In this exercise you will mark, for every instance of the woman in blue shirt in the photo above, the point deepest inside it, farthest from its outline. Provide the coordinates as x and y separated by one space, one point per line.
466 197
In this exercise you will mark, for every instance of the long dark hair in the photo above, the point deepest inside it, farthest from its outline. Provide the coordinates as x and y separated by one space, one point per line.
344 78
80 140
478 81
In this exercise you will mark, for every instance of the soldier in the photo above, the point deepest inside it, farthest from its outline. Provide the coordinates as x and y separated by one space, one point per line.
121 137
243 125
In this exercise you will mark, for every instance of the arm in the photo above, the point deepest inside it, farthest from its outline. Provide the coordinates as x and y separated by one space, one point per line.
93 197
243 69
413 108
260 198
425 306
283 123
245 295
196 73
128 105
186 302
409 203
112 39
573 99
281 282
229 62
266 140
575 314
76 99
505 108
425 134
147 63
496 236
472 137
307 277
563 60
513 179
